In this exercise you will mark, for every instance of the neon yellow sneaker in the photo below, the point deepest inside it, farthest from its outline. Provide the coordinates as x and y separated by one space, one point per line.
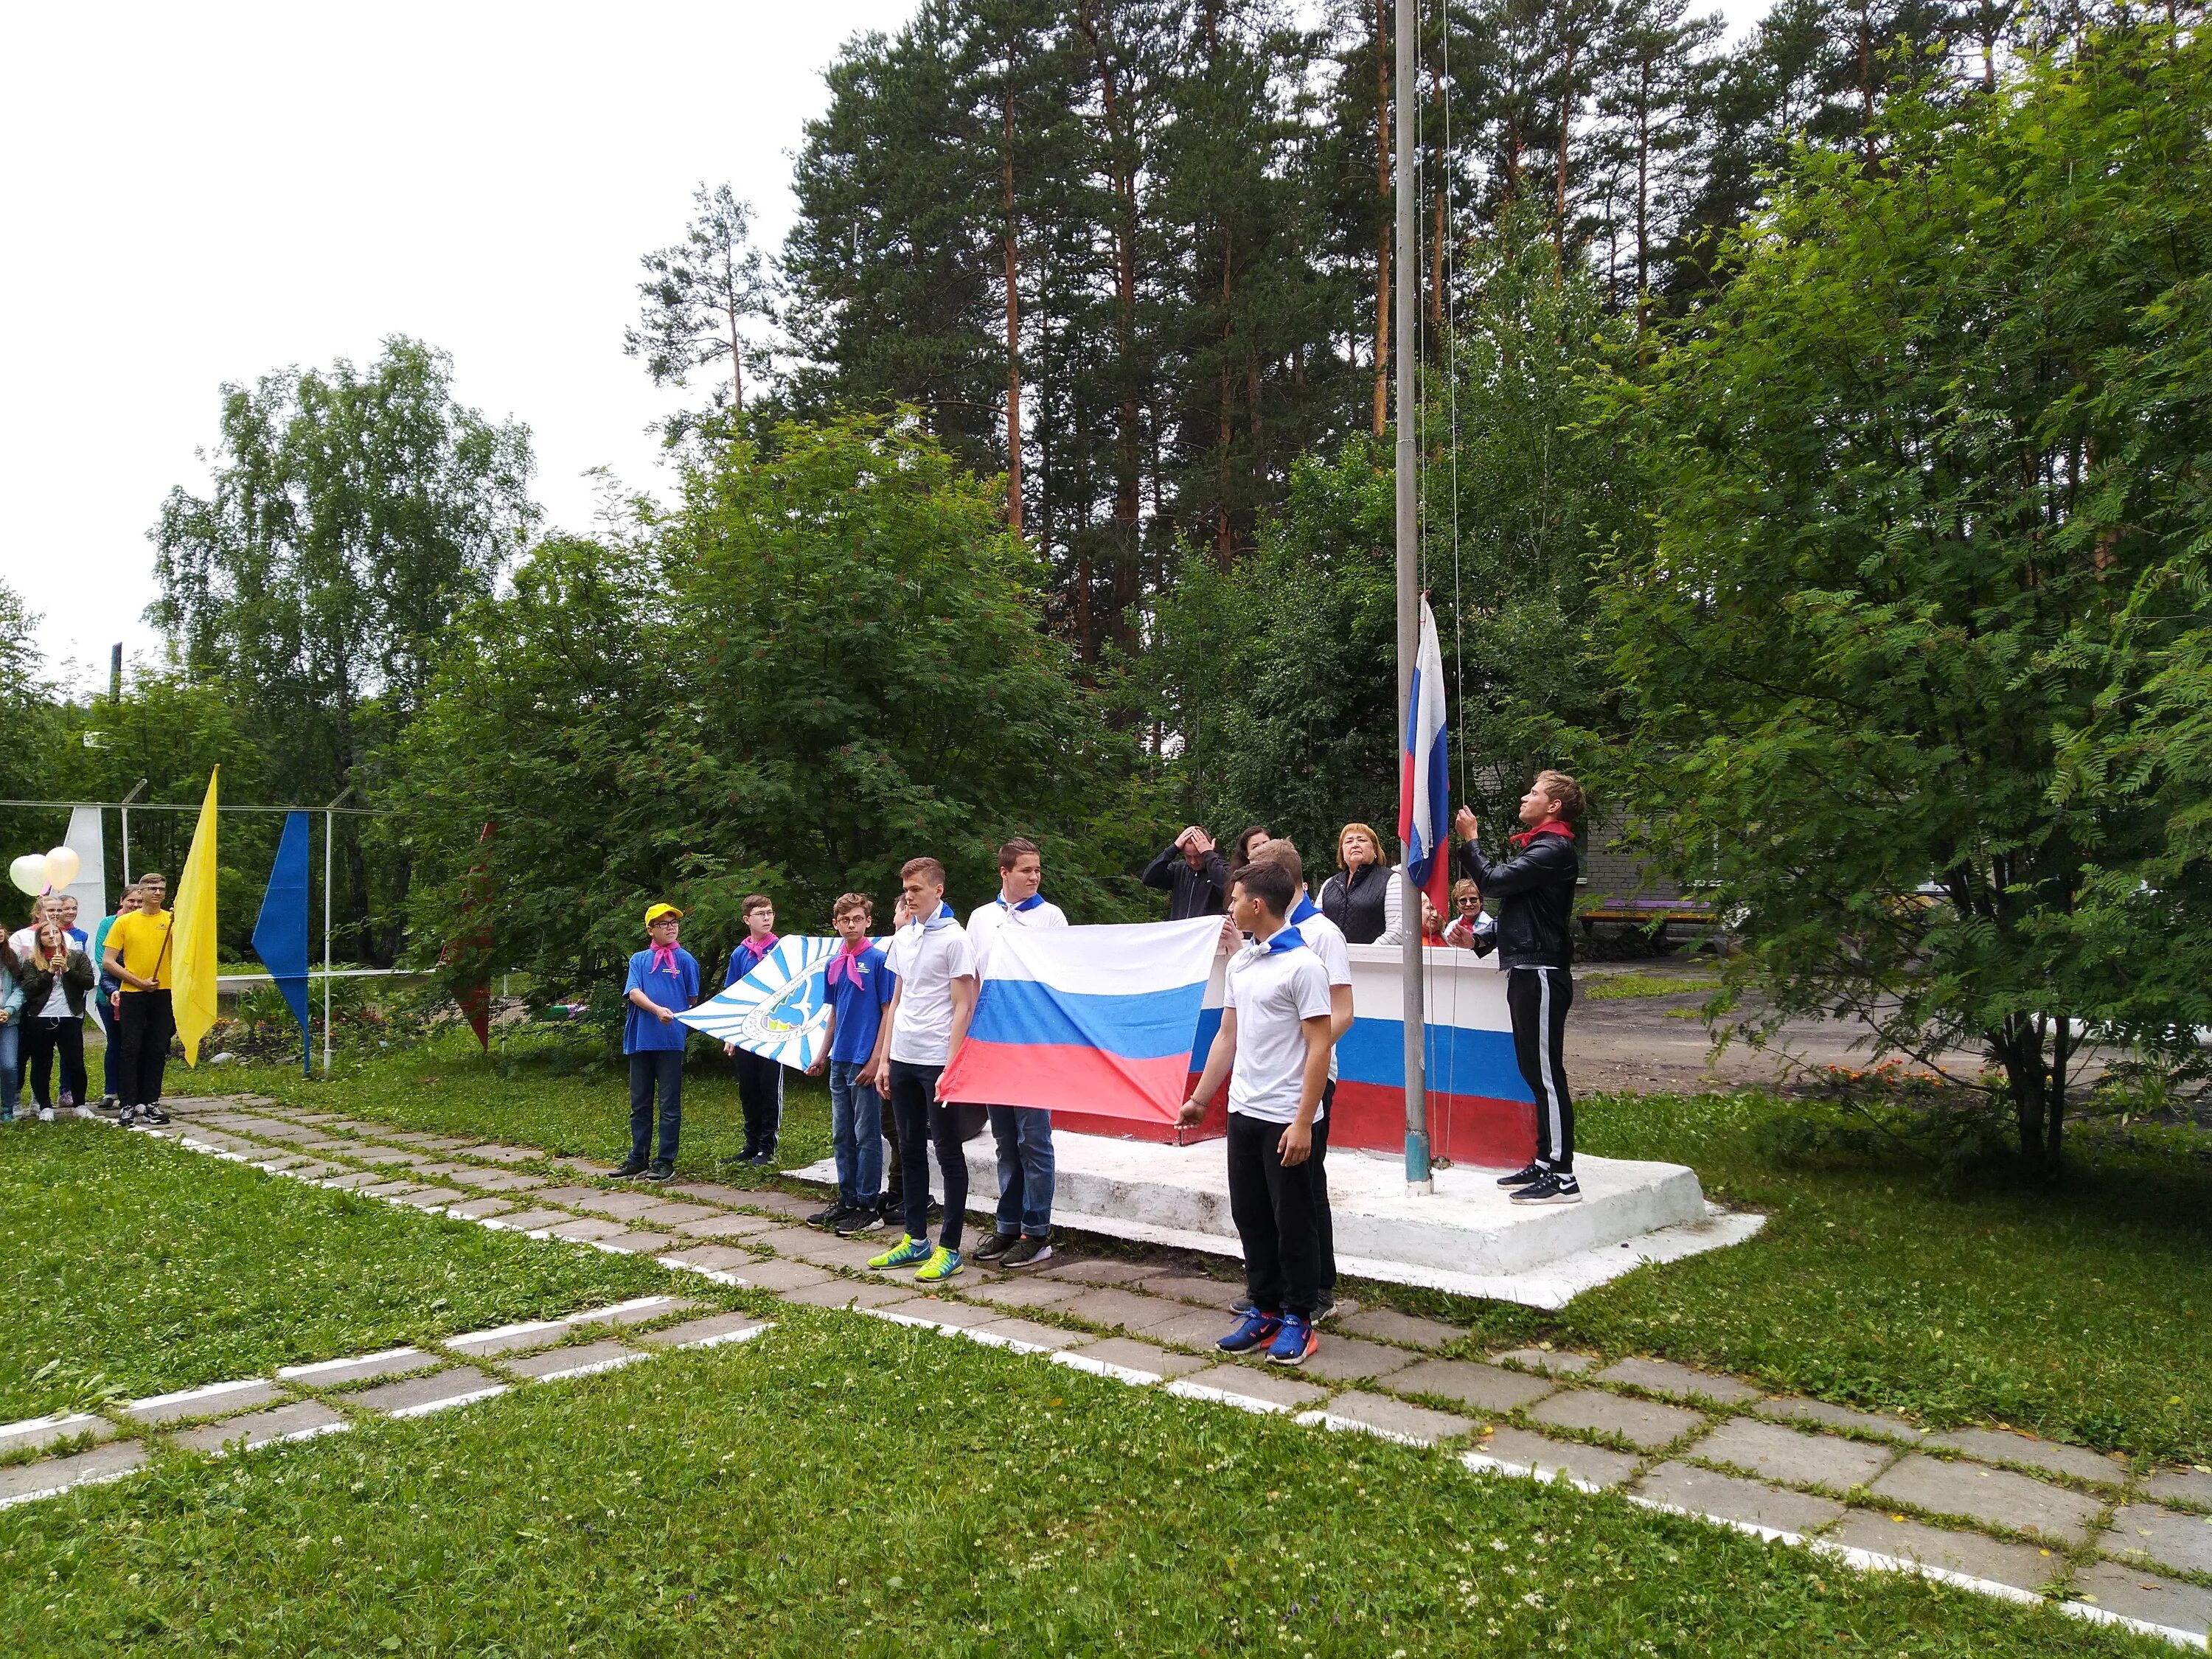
907 1250
941 1266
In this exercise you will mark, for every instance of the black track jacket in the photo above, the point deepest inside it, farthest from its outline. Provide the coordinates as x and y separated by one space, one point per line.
1533 895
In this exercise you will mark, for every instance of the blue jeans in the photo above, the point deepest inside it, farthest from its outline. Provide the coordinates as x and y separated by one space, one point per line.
12 1064
856 1134
1025 1169
661 1070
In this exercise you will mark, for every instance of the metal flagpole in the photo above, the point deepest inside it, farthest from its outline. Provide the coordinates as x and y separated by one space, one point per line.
330 845
125 805
1418 1179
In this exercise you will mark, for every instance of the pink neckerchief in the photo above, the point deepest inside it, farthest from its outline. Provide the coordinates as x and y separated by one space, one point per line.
664 958
848 960
760 947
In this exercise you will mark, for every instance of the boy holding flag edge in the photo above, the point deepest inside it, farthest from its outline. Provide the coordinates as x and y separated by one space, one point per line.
859 987
1027 1170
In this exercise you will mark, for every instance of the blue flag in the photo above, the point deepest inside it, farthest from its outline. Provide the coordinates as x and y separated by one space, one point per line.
280 936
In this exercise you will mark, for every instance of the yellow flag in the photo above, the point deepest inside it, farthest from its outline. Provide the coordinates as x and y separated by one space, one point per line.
192 936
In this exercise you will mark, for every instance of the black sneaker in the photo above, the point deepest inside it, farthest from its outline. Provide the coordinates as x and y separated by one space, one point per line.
861 1218
830 1217
1324 1309
125 1116
661 1172
153 1114
1027 1252
1242 1304
995 1246
936 1209
1535 1172
631 1170
763 1158
1551 1189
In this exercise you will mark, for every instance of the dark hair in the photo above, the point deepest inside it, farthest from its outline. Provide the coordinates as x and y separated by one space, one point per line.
8 961
1017 849
1267 882
859 902
1282 849
929 868
753 901
1244 842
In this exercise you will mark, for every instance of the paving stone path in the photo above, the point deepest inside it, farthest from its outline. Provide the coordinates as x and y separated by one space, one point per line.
2003 1513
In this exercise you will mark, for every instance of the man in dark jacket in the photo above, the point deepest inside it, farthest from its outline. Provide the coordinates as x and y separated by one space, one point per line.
1533 889
1193 874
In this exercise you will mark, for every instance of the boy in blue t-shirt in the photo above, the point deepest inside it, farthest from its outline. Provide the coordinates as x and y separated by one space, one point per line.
860 988
664 981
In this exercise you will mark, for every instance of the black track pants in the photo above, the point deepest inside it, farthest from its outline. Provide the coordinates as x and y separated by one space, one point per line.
1539 999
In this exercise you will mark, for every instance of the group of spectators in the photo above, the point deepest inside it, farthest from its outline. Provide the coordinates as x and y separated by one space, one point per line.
52 973
1360 897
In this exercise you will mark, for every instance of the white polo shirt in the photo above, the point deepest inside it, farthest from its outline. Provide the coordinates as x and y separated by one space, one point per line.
984 924
1274 991
926 961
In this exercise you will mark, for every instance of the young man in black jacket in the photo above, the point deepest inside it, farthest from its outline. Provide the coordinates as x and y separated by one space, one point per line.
1534 890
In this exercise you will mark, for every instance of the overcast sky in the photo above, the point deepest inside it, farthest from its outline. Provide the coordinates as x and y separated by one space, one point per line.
197 193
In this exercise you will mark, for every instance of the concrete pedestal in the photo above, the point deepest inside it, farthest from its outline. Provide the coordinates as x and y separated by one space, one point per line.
1466 1236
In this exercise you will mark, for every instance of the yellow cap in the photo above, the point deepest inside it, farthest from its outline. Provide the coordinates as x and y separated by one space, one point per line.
654 911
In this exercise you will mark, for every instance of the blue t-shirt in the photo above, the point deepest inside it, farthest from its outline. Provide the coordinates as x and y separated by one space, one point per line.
857 999
643 1033
747 956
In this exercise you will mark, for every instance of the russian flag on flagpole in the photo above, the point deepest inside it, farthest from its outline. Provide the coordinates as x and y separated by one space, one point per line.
1100 1020
1425 774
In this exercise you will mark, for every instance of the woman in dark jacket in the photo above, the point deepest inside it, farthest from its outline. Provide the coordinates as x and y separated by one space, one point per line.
57 978
1354 898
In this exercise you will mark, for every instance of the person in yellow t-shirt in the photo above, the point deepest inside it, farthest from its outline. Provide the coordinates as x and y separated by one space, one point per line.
139 957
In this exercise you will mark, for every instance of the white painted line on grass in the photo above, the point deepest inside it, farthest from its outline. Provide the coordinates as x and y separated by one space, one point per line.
429 1406
291 1373
1244 1402
1323 1417
745 1334
595 1368
315 1433
66 1422
2181 1638
1130 1374
100 1479
193 1396
1872 1561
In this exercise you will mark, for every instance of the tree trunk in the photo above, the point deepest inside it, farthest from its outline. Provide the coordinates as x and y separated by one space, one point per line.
1642 199
1567 127
1121 177
1383 59
1225 433
1013 336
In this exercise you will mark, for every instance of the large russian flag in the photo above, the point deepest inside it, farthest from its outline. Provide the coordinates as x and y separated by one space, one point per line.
1425 775
1097 1021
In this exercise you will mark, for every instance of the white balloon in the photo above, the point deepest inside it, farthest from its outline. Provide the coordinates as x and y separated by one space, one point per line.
61 865
29 873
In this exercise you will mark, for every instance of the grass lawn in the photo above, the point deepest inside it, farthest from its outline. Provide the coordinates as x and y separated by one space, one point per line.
130 1265
2079 1312
845 1487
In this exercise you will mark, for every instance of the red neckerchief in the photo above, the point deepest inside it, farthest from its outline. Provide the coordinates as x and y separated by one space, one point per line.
1548 827
849 960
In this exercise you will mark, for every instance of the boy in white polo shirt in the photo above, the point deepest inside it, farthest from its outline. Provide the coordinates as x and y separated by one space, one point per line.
922 1029
1275 1028
1023 1133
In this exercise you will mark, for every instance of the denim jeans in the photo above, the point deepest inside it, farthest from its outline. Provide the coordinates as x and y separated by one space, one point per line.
660 1070
11 1066
856 1133
1025 1169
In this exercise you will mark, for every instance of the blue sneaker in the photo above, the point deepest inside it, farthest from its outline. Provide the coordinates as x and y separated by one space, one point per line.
1257 1331
1294 1343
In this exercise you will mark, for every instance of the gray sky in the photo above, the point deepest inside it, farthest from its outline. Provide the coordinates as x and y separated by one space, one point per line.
197 193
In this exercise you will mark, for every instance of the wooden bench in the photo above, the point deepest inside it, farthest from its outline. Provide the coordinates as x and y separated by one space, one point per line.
1654 915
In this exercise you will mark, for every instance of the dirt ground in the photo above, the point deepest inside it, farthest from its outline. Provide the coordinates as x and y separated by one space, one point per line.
1656 1044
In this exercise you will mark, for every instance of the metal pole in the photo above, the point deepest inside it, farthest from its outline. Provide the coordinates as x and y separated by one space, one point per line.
125 806
330 844
1418 1177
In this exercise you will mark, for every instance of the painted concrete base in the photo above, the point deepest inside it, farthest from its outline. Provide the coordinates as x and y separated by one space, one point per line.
1468 1236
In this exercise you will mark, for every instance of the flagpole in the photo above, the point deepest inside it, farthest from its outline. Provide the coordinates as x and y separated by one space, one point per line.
1418 1178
